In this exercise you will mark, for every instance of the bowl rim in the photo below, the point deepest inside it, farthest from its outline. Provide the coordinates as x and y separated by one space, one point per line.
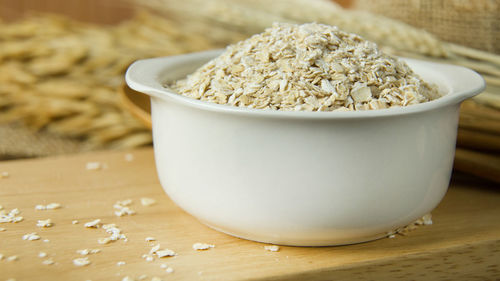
147 76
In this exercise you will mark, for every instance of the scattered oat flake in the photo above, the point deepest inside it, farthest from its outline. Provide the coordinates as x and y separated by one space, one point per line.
165 253
93 166
272 248
155 278
1 257
85 252
11 279
149 239
46 240
93 224
75 222
142 277
154 249
2 229
1 207
122 203
45 223
169 270
48 262
128 278
124 211
31 236
11 216
12 258
149 258
81 261
147 201
120 263
42 255
122 208
129 157
104 240
202 246
4 175
425 220
51 206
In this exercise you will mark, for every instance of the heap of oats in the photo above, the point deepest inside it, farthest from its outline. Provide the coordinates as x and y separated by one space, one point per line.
309 67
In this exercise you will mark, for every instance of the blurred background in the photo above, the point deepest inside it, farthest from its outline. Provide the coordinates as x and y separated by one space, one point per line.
62 62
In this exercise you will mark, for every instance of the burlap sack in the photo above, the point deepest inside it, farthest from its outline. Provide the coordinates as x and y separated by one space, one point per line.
18 141
472 23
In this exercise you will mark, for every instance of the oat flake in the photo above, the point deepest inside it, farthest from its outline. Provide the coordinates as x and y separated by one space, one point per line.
308 67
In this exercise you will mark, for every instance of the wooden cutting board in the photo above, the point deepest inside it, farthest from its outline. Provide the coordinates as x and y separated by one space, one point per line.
463 241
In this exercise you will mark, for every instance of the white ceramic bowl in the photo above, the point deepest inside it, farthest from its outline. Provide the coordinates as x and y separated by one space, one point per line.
303 178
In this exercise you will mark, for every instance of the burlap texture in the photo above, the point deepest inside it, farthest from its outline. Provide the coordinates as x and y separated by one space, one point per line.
472 23
18 141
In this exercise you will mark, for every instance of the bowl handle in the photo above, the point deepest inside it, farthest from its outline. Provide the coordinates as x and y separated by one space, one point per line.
149 75
463 82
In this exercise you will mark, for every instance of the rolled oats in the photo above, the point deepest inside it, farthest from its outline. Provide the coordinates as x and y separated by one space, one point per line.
31 236
81 261
147 201
93 224
272 248
202 246
48 262
12 258
11 216
42 255
45 223
308 67
51 206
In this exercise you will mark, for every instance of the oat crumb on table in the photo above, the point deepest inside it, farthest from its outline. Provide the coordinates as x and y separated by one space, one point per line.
31 236
202 246
45 223
11 216
122 208
85 252
94 166
147 201
51 206
4 175
12 258
93 224
42 255
129 157
272 248
81 261
48 261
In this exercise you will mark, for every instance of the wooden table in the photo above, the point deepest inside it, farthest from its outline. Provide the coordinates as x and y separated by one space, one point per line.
463 242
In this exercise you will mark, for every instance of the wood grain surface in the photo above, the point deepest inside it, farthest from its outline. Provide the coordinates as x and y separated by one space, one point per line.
463 242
